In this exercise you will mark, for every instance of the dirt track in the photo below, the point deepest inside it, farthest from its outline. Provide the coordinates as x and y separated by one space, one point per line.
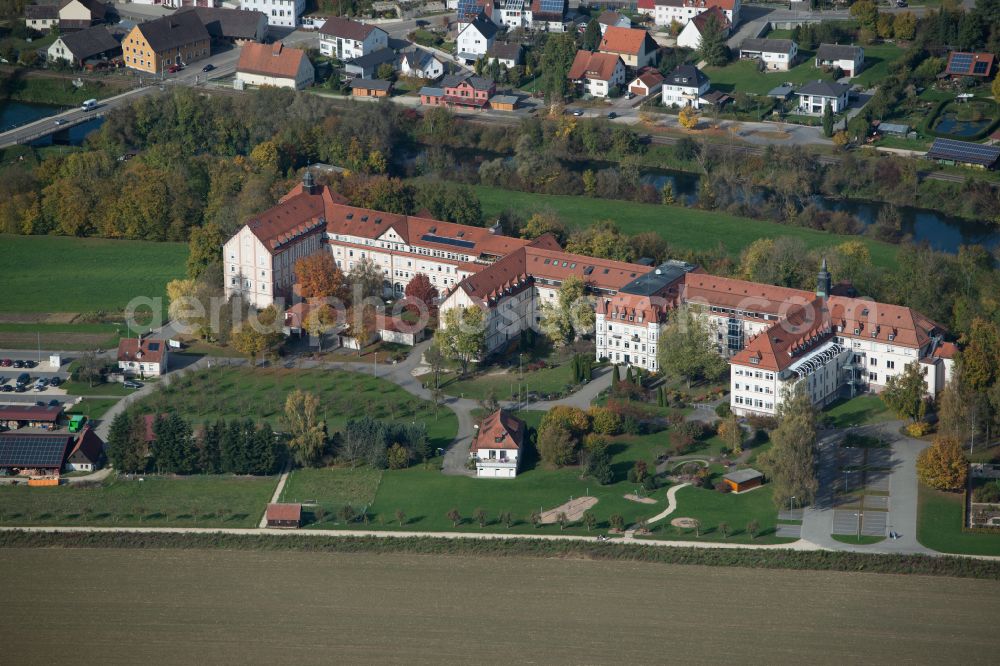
291 607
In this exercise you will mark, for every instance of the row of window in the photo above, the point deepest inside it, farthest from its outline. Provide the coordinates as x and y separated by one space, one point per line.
753 402
739 372
753 388
617 342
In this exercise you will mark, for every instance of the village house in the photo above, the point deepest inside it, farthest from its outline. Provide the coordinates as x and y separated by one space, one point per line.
597 74
231 26
46 455
157 45
274 65
143 356
345 39
690 35
550 16
610 19
665 12
462 90
497 446
285 516
282 13
775 54
95 44
634 46
67 15
685 86
648 83
815 96
849 59
508 55
420 64
961 63
475 40
367 66
87 452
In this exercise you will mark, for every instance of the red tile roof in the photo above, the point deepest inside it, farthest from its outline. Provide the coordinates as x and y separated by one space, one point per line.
597 66
726 5
297 213
499 430
38 413
701 19
145 350
633 41
275 60
642 309
740 294
650 78
284 512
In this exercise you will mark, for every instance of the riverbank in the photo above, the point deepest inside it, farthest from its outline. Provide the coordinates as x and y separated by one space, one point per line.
56 88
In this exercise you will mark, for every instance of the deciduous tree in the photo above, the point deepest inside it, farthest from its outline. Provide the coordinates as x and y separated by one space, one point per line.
686 349
790 461
307 433
319 277
904 393
943 464
463 336
688 117
365 279
420 290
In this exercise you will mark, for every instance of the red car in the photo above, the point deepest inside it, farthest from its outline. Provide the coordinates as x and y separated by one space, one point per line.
6 363
173 69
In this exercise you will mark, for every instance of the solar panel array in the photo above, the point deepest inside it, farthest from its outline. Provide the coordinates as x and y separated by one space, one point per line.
551 6
431 238
468 10
32 450
963 151
980 67
154 346
960 63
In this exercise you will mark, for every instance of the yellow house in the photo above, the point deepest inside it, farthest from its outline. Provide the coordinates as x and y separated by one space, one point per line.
157 45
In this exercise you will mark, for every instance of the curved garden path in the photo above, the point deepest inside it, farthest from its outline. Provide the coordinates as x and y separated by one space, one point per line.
671 503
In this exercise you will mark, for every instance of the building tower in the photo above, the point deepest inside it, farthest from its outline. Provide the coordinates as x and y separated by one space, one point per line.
309 185
823 281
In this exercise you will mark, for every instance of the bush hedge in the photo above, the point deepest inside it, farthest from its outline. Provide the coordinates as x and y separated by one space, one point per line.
925 127
961 567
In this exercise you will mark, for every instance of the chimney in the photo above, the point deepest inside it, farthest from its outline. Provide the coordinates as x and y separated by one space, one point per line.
496 229
276 49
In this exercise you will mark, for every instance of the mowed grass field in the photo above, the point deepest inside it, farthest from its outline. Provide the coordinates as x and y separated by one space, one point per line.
230 392
195 501
685 228
64 274
185 606
939 525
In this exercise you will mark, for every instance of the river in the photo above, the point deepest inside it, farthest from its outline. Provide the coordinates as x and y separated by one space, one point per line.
14 114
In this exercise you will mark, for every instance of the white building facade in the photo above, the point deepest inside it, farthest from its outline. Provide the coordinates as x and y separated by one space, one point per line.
346 39
284 13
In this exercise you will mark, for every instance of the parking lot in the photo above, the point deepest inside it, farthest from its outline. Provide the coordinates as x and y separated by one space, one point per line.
26 379
862 491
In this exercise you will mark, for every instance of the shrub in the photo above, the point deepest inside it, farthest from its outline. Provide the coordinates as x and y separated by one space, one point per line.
605 421
639 472
722 410
918 429
989 493
722 487
631 425
759 422
680 442
398 457
674 419
693 429
651 483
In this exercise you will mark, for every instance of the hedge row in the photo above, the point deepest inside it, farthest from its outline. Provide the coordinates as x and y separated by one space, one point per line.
753 558
925 127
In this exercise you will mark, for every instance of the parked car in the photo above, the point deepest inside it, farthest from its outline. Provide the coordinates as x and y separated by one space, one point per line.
39 403
208 68
54 403
20 388
577 112
23 379
19 363
6 363
612 115
30 364
43 381
132 384
55 381
173 69
6 388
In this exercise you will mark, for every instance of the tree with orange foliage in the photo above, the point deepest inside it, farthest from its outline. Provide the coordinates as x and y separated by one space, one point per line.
688 117
420 290
319 277
943 464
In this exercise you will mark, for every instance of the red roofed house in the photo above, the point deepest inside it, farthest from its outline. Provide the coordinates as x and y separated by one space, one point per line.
284 515
146 357
497 447
597 74
633 45
648 83
274 65
666 12
690 36
468 91
87 452
962 64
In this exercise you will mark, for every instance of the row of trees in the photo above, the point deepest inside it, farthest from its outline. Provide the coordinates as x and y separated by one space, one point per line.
171 447
382 444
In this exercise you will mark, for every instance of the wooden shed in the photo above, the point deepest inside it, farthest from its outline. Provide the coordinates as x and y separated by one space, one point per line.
287 516
743 480
504 102
370 88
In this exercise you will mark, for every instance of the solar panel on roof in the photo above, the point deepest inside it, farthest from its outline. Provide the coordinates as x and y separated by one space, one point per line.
154 346
980 68
431 238
960 62
963 151
32 450
552 6
467 10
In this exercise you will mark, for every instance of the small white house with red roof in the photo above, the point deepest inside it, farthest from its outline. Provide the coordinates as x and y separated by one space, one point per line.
597 74
690 36
143 356
496 449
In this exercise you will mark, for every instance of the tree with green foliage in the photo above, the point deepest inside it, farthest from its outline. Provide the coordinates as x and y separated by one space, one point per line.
204 249
866 14
307 434
904 393
790 462
617 522
210 448
173 450
591 35
126 446
455 517
686 349
557 58
589 520
827 119
556 444
571 316
463 336
712 45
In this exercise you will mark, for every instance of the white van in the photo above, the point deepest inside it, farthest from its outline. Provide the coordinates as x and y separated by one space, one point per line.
89 104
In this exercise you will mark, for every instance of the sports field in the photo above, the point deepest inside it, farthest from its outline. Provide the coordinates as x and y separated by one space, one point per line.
208 607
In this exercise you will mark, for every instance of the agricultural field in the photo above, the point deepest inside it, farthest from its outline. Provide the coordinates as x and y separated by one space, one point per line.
74 275
939 525
195 501
238 392
182 606
686 228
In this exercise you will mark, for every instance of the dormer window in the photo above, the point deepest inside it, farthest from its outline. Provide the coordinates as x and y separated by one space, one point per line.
891 337
857 331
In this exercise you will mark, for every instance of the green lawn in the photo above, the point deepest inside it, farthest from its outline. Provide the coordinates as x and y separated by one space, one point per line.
686 228
939 525
231 392
64 274
197 501
862 540
333 487
84 388
93 408
743 75
712 508
878 57
57 90
505 384
860 410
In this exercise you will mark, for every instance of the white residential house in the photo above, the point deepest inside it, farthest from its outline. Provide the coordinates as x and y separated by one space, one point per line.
775 54
475 40
597 74
848 58
816 95
685 86
508 55
666 12
690 35
512 14
67 15
496 450
346 39
420 64
274 65
648 83
143 357
284 13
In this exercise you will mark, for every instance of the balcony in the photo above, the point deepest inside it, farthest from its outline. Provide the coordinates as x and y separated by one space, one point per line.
497 462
